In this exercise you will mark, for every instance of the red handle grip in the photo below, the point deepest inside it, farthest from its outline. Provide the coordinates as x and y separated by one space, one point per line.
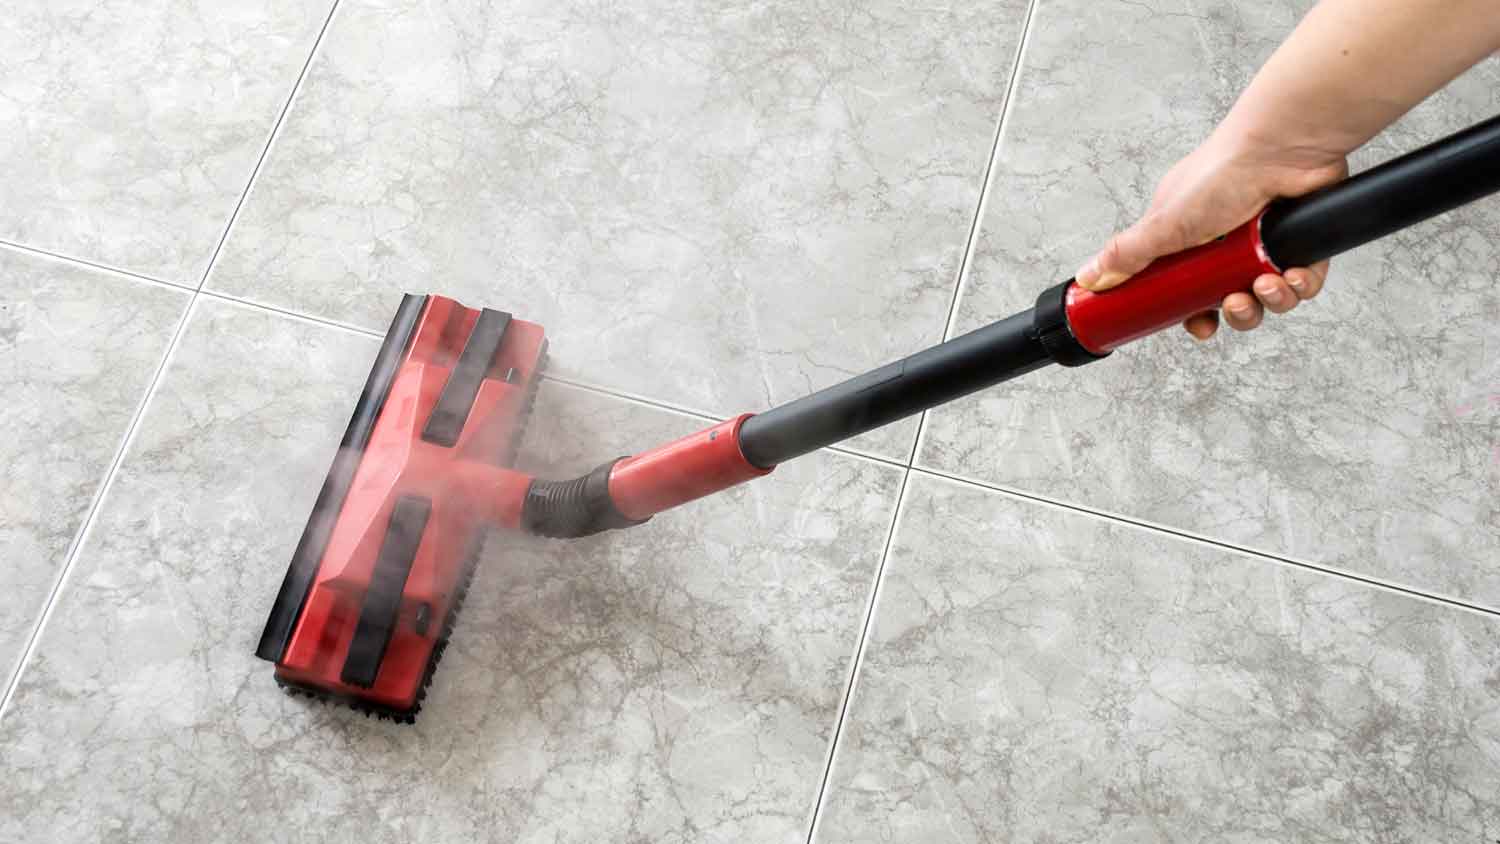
1170 289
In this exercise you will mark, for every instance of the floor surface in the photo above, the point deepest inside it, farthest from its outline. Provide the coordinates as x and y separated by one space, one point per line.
1244 591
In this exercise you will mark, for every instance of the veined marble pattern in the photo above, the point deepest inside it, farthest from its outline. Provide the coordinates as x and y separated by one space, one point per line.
77 349
1036 674
679 682
1362 431
131 129
719 208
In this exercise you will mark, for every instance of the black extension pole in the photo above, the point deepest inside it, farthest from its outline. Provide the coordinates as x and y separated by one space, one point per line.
1399 193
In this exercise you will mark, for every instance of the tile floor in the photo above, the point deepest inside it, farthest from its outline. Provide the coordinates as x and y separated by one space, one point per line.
1242 592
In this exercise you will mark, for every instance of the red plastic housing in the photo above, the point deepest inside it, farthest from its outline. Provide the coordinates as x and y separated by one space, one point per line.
1169 290
467 489
699 464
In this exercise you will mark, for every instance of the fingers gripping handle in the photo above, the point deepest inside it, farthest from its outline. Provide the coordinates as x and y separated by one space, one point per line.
1169 290
1401 192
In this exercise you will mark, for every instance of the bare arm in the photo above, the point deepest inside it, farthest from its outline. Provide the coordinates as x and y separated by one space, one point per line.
1351 68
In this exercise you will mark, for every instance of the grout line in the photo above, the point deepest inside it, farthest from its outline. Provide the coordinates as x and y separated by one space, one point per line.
351 328
265 151
870 458
958 284
633 398
296 315
92 265
859 655
977 223
71 556
586 386
895 463
1179 533
989 171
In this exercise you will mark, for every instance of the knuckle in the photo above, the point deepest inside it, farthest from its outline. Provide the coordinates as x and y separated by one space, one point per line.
1181 232
1114 254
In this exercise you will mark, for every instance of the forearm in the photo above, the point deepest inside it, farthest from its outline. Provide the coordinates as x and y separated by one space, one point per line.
1352 67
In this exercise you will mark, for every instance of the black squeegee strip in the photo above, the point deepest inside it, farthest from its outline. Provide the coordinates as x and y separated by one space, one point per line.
304 565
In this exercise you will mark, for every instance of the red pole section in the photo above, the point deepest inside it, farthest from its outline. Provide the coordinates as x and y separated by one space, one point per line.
697 465
1169 290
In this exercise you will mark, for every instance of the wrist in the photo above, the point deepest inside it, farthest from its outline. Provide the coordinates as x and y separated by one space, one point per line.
1281 154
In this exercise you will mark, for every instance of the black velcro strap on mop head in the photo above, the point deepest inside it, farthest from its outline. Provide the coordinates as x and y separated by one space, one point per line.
457 399
377 617
309 553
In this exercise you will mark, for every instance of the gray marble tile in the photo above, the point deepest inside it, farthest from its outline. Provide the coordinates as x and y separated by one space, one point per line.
675 683
77 349
1362 431
131 129
721 208
1036 674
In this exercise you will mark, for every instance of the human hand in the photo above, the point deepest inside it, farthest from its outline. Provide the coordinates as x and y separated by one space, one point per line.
1217 187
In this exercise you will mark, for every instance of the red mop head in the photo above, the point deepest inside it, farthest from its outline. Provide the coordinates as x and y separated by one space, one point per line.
370 596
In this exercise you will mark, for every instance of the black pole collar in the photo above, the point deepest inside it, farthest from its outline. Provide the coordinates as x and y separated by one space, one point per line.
1050 323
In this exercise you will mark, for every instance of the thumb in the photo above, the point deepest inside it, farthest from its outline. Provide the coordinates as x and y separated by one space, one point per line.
1128 252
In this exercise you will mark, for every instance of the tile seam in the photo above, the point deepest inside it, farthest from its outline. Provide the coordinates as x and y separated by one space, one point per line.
101 492
96 501
1203 539
857 660
986 185
84 263
894 463
265 150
